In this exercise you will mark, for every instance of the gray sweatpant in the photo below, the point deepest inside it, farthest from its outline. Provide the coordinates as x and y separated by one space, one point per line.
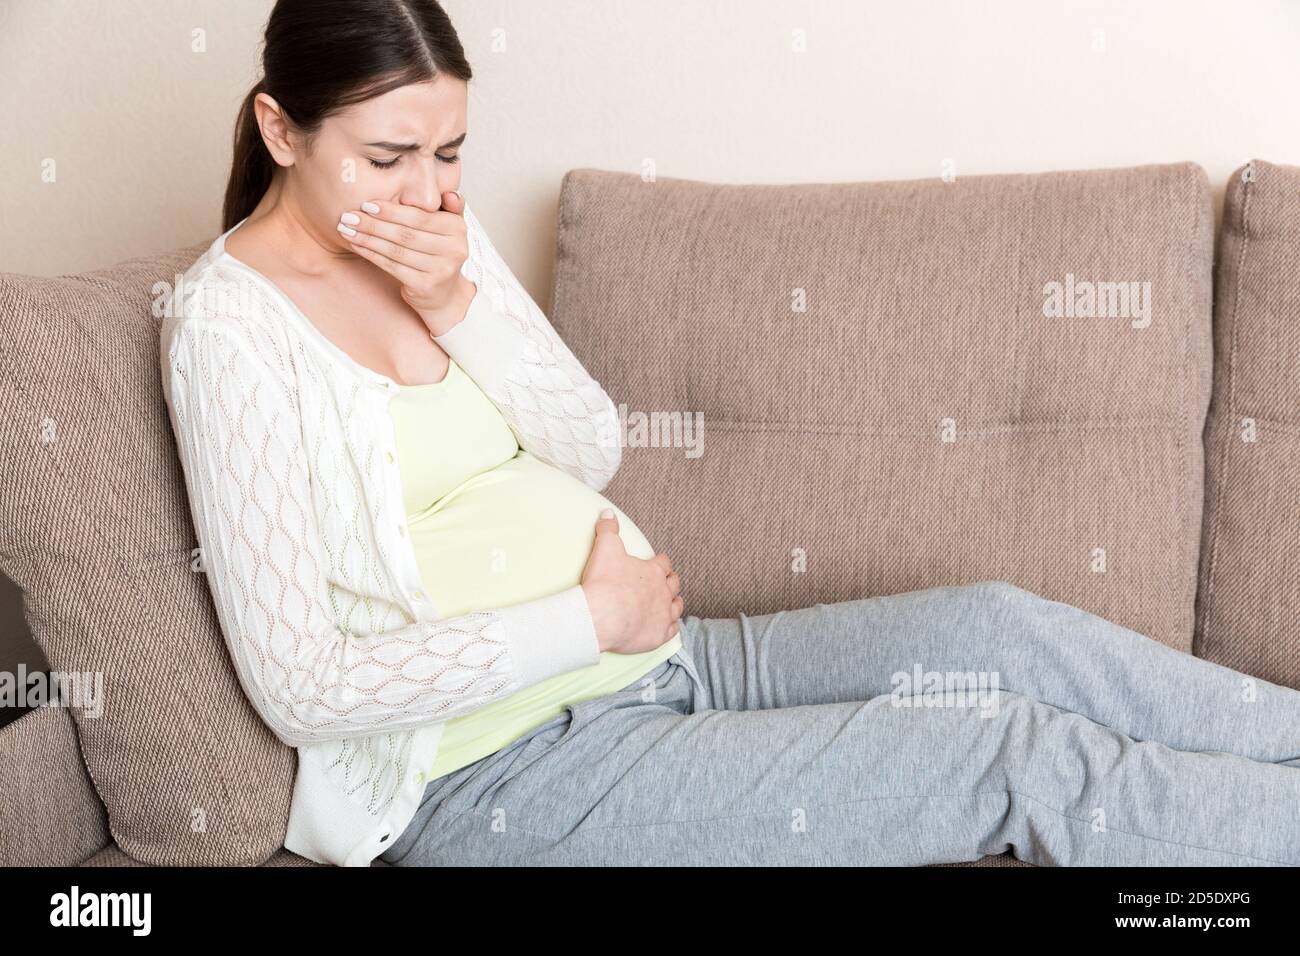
841 734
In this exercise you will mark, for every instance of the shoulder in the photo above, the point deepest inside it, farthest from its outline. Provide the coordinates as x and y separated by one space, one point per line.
220 302
222 332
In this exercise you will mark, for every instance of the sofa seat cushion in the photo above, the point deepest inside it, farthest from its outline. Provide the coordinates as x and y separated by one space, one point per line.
112 855
50 814
993 859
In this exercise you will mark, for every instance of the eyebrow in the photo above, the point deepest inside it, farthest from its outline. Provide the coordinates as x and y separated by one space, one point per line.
411 147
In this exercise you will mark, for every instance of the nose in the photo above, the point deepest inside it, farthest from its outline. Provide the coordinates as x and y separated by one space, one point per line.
424 188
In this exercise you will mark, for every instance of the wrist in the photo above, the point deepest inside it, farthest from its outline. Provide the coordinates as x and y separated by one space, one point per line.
443 320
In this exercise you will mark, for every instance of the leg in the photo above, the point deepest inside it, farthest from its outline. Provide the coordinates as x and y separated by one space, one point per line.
647 779
1045 650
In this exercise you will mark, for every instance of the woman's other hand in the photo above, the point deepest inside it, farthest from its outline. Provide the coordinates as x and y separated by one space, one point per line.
635 603
423 250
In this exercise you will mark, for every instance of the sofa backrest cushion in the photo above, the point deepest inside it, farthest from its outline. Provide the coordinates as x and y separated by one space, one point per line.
95 528
1249 597
904 384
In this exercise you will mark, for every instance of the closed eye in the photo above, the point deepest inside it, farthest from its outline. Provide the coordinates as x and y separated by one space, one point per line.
449 160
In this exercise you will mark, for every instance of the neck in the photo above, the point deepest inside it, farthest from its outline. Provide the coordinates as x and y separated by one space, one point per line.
300 244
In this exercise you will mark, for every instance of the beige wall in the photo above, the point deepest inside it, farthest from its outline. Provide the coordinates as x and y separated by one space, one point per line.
139 125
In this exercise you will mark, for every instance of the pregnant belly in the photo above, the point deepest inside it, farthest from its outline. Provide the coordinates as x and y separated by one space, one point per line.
521 531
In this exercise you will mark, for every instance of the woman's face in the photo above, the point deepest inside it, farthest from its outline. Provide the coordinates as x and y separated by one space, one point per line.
402 146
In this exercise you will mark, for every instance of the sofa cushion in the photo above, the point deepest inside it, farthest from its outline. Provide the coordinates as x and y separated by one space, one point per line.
1249 598
113 856
95 528
885 404
993 859
49 812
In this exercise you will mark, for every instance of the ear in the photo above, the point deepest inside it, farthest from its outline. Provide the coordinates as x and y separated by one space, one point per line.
278 132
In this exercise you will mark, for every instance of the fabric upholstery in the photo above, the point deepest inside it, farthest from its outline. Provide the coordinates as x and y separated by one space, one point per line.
998 859
922 301
95 528
113 856
49 812
824 474
1249 598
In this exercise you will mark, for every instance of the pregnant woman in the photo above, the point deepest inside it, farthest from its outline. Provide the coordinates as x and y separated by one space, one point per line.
394 467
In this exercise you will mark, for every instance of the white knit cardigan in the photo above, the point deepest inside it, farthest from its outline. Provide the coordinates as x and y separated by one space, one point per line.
289 459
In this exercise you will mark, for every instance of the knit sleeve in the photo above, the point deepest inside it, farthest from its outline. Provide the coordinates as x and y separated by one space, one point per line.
559 413
235 416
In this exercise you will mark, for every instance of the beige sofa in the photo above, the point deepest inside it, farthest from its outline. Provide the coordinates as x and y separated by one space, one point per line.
900 385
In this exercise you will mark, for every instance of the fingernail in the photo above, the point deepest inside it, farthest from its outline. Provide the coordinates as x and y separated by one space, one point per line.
607 513
370 207
347 230
351 218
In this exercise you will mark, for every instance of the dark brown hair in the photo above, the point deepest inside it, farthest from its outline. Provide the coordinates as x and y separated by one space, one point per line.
320 56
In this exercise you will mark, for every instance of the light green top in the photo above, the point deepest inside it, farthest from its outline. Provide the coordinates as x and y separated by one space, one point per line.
494 526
